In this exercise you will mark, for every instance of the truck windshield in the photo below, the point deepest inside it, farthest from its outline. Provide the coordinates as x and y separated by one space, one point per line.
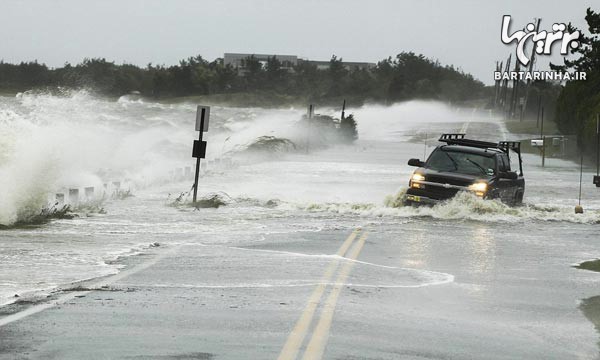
461 162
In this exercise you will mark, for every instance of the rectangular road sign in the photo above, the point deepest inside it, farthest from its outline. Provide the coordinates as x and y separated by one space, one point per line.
202 112
199 150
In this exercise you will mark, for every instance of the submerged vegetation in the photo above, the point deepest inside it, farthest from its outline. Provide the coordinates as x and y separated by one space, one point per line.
406 76
45 215
271 144
211 200
592 265
56 211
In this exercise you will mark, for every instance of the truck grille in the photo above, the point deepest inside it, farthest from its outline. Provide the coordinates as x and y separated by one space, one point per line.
434 192
444 180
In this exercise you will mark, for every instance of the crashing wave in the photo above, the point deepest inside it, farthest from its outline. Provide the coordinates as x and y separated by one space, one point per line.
464 206
209 200
265 144
45 215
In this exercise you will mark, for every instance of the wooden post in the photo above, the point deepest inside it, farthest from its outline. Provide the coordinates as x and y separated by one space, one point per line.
505 85
542 127
543 151
537 121
543 140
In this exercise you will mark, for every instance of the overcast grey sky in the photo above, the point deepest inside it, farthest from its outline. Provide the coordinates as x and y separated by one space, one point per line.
463 33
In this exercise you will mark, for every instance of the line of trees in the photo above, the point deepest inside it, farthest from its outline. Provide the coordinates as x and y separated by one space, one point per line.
579 101
406 76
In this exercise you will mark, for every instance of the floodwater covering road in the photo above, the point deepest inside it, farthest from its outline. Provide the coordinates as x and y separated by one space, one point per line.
308 255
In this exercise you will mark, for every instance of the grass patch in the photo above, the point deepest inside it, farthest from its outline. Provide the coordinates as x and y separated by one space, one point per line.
529 127
43 217
592 265
9 92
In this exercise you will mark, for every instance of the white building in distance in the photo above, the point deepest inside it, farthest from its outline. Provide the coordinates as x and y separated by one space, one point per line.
288 62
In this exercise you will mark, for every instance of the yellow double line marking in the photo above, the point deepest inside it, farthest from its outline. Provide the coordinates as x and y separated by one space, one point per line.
318 341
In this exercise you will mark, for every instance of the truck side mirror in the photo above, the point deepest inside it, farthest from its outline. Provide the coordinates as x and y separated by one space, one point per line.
510 175
416 162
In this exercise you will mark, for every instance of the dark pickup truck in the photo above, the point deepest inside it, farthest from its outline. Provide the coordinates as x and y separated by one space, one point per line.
480 167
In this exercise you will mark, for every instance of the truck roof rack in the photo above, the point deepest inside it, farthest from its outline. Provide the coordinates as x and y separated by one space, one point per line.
505 146
459 139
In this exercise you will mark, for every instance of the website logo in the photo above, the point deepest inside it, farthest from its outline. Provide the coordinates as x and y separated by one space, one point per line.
542 40
542 44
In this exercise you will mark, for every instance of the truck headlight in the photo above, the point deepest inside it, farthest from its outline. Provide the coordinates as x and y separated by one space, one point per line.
417 177
479 188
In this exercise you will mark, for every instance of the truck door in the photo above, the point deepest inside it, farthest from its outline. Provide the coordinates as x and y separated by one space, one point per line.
506 187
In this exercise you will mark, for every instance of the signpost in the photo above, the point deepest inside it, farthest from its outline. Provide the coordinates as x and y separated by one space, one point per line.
199 149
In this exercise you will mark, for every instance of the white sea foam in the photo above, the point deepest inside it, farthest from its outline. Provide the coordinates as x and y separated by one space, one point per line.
464 206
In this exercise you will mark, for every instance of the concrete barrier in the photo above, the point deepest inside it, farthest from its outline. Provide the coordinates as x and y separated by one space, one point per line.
89 193
73 196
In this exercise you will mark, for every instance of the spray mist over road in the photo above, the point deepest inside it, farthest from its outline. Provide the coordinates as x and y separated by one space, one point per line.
54 142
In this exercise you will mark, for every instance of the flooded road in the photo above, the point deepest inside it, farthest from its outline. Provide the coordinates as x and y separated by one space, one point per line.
307 255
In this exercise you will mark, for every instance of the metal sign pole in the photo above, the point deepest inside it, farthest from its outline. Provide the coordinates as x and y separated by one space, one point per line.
199 149
198 161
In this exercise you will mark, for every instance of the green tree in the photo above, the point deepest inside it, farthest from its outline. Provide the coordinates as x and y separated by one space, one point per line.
253 71
579 101
337 74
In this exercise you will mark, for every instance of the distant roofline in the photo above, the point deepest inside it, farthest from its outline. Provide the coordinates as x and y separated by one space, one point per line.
299 58
343 62
257 54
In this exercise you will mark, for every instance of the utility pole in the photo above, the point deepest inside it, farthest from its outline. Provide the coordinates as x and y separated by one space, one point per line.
499 88
344 110
505 84
515 93
496 86
537 30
